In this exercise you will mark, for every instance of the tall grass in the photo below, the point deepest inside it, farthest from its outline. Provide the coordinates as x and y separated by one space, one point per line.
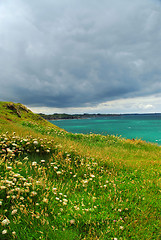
58 185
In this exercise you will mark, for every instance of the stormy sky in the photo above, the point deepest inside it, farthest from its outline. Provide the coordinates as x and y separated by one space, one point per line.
81 55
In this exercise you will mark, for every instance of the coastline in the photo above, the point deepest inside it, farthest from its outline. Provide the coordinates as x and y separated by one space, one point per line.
64 116
146 128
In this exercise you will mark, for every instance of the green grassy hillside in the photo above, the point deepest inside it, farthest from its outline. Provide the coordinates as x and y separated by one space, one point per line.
58 185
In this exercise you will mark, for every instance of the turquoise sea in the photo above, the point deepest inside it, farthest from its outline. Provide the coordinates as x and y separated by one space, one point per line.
141 126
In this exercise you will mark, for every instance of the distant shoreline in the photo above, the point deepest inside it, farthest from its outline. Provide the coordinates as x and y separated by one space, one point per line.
64 116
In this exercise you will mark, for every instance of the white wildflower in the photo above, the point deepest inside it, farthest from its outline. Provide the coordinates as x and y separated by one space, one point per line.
9 168
92 176
121 227
34 163
17 175
6 221
45 200
85 181
14 212
33 193
9 150
72 221
4 231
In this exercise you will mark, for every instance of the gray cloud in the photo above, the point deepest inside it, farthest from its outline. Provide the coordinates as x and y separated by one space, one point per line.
79 53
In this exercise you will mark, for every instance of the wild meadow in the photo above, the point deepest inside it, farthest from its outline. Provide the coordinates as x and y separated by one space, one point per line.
58 185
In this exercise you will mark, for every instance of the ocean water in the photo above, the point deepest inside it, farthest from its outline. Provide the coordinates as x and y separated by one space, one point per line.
146 127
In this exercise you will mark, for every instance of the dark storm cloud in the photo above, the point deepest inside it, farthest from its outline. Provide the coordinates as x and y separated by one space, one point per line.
79 53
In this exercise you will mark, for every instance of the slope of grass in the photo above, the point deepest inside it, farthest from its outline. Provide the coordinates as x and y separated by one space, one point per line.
58 185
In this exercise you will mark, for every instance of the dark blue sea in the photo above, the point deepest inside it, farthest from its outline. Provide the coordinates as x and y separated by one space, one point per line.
139 126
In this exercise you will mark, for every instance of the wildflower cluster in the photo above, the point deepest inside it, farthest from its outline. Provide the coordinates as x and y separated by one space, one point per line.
12 146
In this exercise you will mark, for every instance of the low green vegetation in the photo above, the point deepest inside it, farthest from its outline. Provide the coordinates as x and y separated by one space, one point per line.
58 185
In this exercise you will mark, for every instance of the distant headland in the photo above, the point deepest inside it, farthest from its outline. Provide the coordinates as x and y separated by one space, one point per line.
57 116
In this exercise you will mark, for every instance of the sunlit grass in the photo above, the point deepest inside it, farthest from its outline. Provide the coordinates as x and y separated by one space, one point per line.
58 185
